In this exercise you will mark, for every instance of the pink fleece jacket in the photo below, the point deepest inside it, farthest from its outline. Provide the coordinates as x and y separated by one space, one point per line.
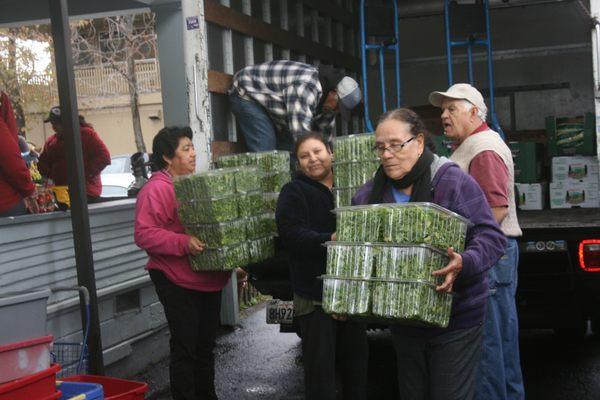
159 232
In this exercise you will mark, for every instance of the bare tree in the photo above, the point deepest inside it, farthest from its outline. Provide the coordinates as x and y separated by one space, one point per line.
116 43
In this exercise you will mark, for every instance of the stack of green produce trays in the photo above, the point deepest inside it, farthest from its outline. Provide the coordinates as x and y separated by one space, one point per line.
266 161
274 181
219 234
402 223
261 249
209 210
247 179
350 260
409 262
260 226
251 203
348 296
354 147
354 173
203 185
225 258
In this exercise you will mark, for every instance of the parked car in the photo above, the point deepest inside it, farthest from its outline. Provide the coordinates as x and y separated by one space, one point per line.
118 177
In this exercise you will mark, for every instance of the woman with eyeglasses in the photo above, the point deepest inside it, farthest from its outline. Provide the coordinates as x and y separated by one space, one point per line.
436 363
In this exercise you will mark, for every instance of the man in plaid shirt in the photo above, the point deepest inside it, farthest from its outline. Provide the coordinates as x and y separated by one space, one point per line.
278 101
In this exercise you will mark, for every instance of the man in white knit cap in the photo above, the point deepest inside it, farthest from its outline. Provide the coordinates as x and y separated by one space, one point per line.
482 153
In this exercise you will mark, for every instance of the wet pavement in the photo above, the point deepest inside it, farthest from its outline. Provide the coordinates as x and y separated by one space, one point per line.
255 361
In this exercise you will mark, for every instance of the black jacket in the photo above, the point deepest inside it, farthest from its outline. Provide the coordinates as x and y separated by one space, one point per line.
305 222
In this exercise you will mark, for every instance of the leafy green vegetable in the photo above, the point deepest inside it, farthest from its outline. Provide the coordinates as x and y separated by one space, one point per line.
220 234
267 161
354 147
261 226
221 259
270 201
261 249
204 185
343 196
359 223
208 211
250 203
354 173
414 262
273 182
247 179
350 260
346 296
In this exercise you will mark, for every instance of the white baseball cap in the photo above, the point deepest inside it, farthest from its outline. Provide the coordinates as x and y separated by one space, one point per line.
349 96
459 91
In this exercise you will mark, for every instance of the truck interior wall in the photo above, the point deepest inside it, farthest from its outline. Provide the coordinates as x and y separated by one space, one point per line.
533 45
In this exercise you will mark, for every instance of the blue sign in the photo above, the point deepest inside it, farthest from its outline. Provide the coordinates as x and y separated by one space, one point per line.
192 23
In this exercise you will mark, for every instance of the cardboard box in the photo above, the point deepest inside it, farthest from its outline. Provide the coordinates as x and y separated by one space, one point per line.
575 169
571 136
528 158
574 194
530 196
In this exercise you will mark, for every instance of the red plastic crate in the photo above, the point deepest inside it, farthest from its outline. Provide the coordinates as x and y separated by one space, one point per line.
39 386
24 358
114 388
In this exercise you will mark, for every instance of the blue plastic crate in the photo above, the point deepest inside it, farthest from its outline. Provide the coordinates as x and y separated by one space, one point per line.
80 391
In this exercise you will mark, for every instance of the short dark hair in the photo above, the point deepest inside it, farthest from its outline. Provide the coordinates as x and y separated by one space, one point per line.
410 117
165 143
311 135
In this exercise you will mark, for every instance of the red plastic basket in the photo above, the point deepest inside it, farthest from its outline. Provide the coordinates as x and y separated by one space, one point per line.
24 358
39 386
114 388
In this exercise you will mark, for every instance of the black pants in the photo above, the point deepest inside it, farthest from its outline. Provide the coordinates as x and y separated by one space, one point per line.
322 336
193 319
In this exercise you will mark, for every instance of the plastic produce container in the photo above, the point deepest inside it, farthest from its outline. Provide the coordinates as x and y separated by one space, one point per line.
411 302
114 388
350 260
354 147
267 161
260 226
402 223
343 195
208 211
203 185
219 234
354 173
25 314
38 386
24 358
250 204
412 262
270 201
224 258
261 249
80 391
346 296
247 179
274 181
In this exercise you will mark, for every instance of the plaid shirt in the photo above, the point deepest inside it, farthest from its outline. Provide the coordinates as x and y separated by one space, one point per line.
290 92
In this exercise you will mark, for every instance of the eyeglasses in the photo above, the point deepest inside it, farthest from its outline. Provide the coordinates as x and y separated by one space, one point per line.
392 148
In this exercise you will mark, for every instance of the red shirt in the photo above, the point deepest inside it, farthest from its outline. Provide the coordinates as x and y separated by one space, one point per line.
488 169
53 162
15 181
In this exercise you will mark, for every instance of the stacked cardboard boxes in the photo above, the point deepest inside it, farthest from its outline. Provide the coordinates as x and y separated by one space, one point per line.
574 182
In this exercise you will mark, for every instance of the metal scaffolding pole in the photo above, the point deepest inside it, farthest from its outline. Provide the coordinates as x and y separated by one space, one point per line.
82 243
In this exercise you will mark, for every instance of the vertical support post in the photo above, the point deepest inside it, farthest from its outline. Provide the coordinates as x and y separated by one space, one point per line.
300 25
266 8
595 11
285 25
228 68
248 41
448 41
82 241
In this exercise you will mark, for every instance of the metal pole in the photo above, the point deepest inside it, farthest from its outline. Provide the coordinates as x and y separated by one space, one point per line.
363 61
397 54
448 39
61 36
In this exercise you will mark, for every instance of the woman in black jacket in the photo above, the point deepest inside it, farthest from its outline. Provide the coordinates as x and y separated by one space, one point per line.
305 222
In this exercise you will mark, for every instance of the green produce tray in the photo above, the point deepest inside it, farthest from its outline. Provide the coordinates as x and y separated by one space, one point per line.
351 260
247 179
411 302
204 185
273 182
346 296
219 234
251 203
270 201
208 211
261 226
402 223
266 161
343 195
354 173
261 249
225 258
354 147
571 136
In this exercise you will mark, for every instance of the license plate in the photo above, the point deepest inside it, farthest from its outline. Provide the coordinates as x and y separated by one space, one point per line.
280 312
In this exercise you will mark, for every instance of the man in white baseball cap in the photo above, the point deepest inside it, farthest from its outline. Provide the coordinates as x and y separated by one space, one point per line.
278 101
482 153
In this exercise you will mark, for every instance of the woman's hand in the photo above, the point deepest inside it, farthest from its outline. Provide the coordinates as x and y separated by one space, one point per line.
31 204
195 245
451 271
333 237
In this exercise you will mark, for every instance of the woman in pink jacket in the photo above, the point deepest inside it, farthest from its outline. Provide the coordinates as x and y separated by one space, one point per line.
192 300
